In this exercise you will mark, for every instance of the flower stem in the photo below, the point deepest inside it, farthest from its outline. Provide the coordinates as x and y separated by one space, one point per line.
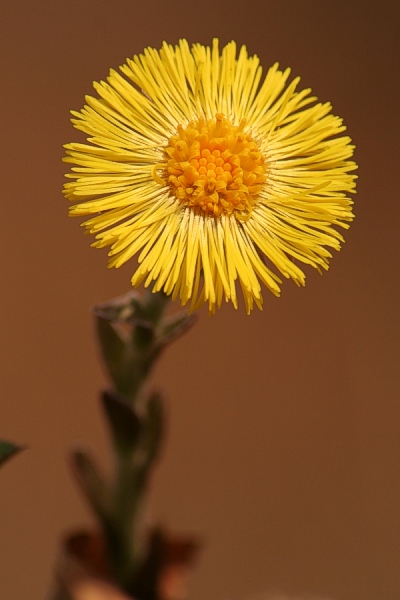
135 422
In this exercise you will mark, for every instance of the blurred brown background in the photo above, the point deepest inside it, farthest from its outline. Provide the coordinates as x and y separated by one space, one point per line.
283 447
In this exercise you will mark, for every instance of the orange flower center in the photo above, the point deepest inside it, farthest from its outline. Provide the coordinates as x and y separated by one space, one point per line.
215 168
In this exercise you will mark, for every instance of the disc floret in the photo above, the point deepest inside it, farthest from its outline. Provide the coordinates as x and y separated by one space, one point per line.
215 167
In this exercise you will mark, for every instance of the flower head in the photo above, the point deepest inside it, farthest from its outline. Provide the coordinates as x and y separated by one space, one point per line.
211 174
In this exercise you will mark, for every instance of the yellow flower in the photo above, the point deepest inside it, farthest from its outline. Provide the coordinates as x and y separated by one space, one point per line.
210 173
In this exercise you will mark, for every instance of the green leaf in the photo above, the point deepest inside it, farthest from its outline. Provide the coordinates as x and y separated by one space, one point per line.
154 428
174 327
113 347
91 483
124 424
133 331
121 310
127 346
7 450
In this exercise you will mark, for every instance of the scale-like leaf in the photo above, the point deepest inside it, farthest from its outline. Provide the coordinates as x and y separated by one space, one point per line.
7 450
124 424
153 428
91 483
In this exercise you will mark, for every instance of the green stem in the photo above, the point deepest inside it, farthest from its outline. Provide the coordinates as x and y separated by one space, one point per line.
132 468
124 548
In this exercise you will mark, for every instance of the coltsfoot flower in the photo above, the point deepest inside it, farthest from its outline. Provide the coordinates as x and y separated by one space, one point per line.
210 174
